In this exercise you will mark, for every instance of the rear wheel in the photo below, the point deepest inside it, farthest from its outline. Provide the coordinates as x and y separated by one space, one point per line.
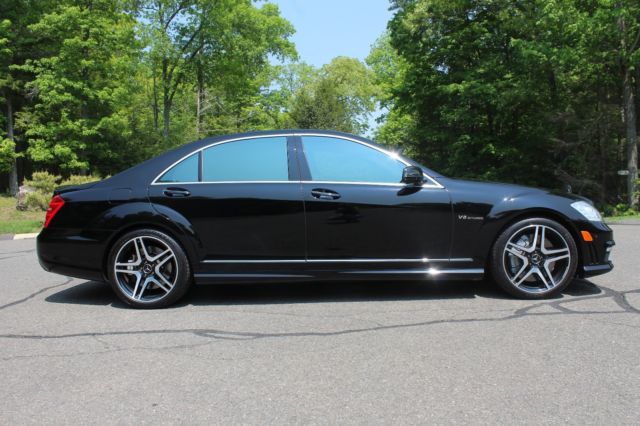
148 269
534 258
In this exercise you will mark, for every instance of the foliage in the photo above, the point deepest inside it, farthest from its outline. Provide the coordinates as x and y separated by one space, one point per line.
7 154
78 88
220 47
338 96
539 92
320 108
527 92
79 179
37 201
44 183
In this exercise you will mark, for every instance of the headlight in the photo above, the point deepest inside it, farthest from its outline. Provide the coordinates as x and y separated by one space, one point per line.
587 210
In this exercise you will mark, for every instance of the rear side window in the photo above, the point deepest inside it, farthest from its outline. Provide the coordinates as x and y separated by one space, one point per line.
259 159
184 171
340 160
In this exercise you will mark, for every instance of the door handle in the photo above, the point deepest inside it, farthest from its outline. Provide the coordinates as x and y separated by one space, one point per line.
324 194
176 192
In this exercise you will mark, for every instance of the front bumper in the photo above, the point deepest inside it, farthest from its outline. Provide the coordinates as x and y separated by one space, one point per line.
595 254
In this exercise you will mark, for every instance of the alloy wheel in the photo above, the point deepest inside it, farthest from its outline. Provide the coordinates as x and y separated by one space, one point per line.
536 258
145 269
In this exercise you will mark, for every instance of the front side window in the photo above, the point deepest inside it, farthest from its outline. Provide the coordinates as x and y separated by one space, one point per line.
259 159
184 171
339 160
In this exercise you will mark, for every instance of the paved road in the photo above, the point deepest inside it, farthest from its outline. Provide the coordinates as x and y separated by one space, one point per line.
449 353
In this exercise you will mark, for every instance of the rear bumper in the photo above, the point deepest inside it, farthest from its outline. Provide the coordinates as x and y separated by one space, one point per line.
71 271
64 254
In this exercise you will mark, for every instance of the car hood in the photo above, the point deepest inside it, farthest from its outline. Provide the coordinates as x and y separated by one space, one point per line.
502 190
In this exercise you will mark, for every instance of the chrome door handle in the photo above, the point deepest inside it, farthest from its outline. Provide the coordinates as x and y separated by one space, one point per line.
176 192
324 194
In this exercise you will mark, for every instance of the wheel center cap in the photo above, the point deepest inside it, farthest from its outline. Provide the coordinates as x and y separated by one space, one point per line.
147 268
536 258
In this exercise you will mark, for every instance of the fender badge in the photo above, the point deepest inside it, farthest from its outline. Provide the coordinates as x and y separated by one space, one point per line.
467 217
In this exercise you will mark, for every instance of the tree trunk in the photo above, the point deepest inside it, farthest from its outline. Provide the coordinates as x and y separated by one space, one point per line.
199 99
166 100
155 103
629 107
13 174
632 138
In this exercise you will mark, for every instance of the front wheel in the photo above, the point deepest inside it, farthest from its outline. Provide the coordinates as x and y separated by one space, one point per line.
148 269
534 258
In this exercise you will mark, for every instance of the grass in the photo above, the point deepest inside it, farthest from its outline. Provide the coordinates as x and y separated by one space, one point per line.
13 221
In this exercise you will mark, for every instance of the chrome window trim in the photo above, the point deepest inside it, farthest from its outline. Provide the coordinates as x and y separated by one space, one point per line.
155 181
421 260
433 182
398 185
393 155
227 182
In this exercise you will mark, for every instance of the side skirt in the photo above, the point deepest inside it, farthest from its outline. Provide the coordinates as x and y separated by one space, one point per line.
428 274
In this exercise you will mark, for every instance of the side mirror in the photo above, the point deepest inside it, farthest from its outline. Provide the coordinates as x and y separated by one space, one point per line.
412 175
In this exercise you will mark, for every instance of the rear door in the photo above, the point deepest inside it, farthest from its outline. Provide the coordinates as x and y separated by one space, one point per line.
242 198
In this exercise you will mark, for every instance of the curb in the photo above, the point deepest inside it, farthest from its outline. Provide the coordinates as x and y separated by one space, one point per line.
5 237
25 236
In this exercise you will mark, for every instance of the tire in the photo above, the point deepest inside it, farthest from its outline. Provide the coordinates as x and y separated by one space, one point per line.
534 258
148 269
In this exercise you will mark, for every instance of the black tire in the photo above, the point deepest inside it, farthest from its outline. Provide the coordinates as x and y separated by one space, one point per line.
505 265
131 281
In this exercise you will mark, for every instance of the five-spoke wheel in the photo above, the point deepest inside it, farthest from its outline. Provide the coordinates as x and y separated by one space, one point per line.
148 269
534 258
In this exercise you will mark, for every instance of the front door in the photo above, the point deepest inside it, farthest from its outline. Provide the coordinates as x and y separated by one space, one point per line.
358 211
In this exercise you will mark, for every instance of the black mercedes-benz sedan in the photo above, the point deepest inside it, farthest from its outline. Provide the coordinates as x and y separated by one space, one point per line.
304 205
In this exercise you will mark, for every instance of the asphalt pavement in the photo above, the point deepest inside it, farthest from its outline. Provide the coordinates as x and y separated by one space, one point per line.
348 353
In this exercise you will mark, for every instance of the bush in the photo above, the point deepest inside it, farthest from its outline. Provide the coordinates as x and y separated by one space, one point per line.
37 200
44 183
620 209
79 180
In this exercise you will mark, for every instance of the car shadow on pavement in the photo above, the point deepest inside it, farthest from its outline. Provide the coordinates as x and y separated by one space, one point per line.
98 293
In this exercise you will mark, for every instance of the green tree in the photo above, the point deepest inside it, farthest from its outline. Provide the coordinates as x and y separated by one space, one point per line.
16 46
220 45
338 96
397 125
320 107
79 86
511 90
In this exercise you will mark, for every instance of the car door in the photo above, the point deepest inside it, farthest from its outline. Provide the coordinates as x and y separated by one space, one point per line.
241 198
358 211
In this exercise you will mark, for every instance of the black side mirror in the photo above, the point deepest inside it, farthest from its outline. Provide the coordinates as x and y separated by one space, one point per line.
412 175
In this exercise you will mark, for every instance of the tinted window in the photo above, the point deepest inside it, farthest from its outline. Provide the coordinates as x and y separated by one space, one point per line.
247 160
340 160
184 171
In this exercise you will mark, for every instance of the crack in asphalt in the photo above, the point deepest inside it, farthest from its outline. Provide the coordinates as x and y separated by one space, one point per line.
618 297
32 295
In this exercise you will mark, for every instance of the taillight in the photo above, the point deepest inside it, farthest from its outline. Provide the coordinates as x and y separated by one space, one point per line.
55 205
